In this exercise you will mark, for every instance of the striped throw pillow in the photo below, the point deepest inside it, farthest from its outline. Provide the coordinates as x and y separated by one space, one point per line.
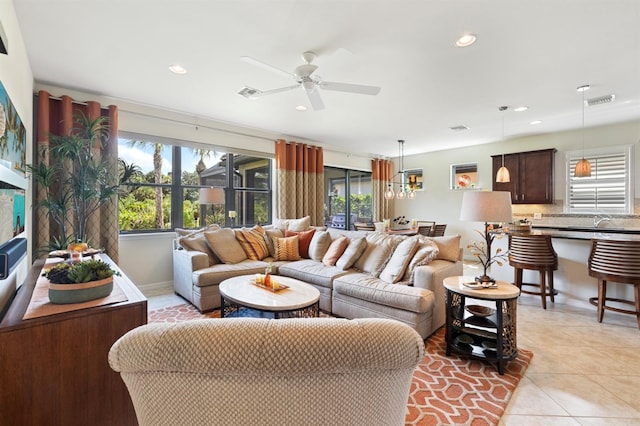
252 242
286 248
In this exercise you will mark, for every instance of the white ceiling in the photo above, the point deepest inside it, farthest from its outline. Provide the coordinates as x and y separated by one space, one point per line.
529 52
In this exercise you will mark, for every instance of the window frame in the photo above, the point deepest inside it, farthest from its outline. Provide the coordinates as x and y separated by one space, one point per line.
177 188
592 155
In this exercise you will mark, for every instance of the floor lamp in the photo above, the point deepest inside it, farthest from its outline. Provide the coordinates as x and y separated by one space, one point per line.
211 196
486 206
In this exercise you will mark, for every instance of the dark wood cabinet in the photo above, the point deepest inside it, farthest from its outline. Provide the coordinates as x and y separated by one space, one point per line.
54 369
531 173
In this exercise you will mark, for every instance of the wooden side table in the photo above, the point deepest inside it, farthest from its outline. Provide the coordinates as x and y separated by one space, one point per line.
483 332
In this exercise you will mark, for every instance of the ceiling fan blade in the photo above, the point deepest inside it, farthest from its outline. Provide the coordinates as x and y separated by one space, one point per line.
352 88
253 61
272 91
315 99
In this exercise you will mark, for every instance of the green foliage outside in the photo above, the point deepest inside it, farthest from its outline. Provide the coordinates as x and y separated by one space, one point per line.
360 205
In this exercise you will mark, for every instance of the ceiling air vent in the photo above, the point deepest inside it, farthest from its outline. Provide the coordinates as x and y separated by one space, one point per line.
459 128
600 100
249 92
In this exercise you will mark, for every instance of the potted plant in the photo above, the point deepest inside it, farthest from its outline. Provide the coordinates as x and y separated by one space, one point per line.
79 282
75 180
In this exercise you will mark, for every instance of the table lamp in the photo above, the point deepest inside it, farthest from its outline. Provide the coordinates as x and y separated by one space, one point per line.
486 206
211 196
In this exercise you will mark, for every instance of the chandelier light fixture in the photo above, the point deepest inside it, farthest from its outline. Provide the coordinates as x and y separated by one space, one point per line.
583 168
402 191
503 175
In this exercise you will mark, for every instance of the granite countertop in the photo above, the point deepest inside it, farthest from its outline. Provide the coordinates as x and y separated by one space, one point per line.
586 233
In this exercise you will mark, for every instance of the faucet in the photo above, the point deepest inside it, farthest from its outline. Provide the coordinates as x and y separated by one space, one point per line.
599 218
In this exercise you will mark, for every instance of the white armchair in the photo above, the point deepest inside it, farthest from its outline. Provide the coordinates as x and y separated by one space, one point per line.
243 371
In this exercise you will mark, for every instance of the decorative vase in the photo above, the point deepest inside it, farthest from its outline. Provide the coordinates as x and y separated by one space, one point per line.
64 294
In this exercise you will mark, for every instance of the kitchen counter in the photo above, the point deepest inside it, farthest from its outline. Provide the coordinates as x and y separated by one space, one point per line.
573 245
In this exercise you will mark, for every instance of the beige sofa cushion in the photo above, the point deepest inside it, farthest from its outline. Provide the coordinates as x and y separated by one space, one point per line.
224 244
297 225
319 245
377 252
397 265
351 253
194 240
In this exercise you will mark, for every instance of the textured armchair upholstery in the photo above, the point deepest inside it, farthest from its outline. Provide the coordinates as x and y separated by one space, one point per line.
249 371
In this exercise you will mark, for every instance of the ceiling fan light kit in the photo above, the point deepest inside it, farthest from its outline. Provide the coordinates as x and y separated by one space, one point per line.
304 77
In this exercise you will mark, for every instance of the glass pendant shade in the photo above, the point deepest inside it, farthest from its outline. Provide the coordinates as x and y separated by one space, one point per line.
583 168
401 195
412 195
389 194
503 175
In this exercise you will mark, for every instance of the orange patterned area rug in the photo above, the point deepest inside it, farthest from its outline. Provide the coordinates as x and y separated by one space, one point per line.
444 391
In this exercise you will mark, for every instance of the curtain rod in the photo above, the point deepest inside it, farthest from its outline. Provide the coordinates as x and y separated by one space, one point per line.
233 132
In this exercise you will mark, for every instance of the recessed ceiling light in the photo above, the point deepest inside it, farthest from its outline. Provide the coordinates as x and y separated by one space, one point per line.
301 108
177 69
466 40
534 122
521 108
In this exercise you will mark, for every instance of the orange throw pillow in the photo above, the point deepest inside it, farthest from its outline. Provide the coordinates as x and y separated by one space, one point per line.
252 242
286 248
337 247
304 240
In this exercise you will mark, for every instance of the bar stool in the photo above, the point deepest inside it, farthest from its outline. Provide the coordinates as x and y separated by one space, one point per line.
535 252
617 261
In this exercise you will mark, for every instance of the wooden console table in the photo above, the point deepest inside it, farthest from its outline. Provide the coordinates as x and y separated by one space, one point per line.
54 369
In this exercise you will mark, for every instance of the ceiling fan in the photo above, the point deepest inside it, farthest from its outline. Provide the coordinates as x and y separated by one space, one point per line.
303 76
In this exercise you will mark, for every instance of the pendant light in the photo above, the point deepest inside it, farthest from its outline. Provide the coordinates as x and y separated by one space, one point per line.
503 175
401 194
583 168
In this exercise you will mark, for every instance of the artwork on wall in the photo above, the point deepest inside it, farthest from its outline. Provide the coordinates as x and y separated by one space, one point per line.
12 211
464 176
13 136
412 180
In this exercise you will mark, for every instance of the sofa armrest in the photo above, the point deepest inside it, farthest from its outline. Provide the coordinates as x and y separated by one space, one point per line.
184 264
430 277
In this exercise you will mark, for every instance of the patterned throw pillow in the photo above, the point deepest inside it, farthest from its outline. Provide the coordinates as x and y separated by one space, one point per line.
252 242
304 240
286 248
335 250
426 252
268 239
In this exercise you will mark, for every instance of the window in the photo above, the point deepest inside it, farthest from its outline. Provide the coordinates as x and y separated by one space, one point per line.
608 190
349 197
164 182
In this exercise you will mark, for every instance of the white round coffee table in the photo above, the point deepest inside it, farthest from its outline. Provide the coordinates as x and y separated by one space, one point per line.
299 300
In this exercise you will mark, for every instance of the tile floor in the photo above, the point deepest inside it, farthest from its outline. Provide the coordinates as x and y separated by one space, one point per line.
582 372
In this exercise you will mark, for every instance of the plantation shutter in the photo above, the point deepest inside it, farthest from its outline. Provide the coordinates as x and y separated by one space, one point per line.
606 190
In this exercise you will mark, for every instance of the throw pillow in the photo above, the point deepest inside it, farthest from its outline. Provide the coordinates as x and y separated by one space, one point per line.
286 248
301 224
448 247
304 240
378 250
397 265
426 252
335 250
225 246
252 242
319 245
351 253
268 238
197 242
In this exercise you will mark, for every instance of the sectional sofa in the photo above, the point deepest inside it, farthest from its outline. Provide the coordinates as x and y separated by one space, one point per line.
360 274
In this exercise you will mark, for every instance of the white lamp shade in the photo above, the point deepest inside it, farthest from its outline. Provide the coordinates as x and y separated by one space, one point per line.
503 175
486 206
211 196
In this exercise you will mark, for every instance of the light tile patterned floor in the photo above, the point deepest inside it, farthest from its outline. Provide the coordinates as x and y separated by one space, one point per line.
582 372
